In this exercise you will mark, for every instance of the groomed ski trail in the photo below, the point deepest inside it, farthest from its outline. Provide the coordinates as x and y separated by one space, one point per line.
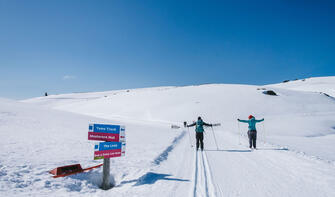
267 171
203 182
235 170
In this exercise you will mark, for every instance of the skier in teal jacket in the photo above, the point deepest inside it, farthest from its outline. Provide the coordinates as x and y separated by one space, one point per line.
252 132
199 131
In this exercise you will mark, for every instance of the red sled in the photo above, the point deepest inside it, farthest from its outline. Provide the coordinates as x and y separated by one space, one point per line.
70 170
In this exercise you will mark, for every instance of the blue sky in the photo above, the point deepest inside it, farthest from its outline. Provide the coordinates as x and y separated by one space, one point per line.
79 46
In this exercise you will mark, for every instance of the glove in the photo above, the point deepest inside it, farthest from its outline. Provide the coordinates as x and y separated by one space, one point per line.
238 119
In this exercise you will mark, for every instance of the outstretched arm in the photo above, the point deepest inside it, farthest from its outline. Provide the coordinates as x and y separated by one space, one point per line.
191 125
260 120
206 124
246 121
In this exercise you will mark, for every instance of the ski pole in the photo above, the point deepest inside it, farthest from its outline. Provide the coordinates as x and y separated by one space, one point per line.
217 148
189 135
264 133
239 133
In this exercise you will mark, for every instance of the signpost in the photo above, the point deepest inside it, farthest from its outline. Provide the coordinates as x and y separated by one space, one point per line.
106 175
104 132
104 150
114 145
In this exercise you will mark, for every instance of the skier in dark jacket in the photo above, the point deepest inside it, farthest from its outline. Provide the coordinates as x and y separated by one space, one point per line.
199 131
252 132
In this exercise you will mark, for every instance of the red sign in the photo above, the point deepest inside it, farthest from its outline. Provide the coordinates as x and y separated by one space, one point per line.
109 137
108 153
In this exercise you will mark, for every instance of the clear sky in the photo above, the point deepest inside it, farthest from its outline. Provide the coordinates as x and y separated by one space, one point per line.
80 45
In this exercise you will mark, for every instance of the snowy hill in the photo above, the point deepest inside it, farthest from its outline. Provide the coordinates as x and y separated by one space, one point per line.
316 84
295 142
301 114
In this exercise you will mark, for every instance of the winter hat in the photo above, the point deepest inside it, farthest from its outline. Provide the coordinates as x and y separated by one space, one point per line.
251 116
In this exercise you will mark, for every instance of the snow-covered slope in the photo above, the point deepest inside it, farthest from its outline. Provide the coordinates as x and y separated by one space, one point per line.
297 116
316 84
36 140
295 143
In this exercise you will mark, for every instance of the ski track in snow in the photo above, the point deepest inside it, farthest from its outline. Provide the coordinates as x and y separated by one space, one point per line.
203 182
204 170
195 178
212 185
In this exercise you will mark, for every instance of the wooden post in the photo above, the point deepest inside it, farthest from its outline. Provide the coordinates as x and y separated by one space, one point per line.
105 175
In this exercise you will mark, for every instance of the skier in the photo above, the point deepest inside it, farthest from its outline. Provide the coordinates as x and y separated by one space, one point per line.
252 132
199 131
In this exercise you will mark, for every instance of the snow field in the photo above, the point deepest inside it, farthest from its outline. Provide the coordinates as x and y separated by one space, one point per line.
294 156
36 140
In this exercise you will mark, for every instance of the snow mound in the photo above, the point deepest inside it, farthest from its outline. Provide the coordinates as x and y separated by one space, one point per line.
316 84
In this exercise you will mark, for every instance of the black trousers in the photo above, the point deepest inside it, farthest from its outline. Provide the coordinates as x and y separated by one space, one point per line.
200 139
252 134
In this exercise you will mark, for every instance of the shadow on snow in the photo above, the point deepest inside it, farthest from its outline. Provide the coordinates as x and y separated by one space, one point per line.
245 151
151 178
238 151
164 155
283 149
